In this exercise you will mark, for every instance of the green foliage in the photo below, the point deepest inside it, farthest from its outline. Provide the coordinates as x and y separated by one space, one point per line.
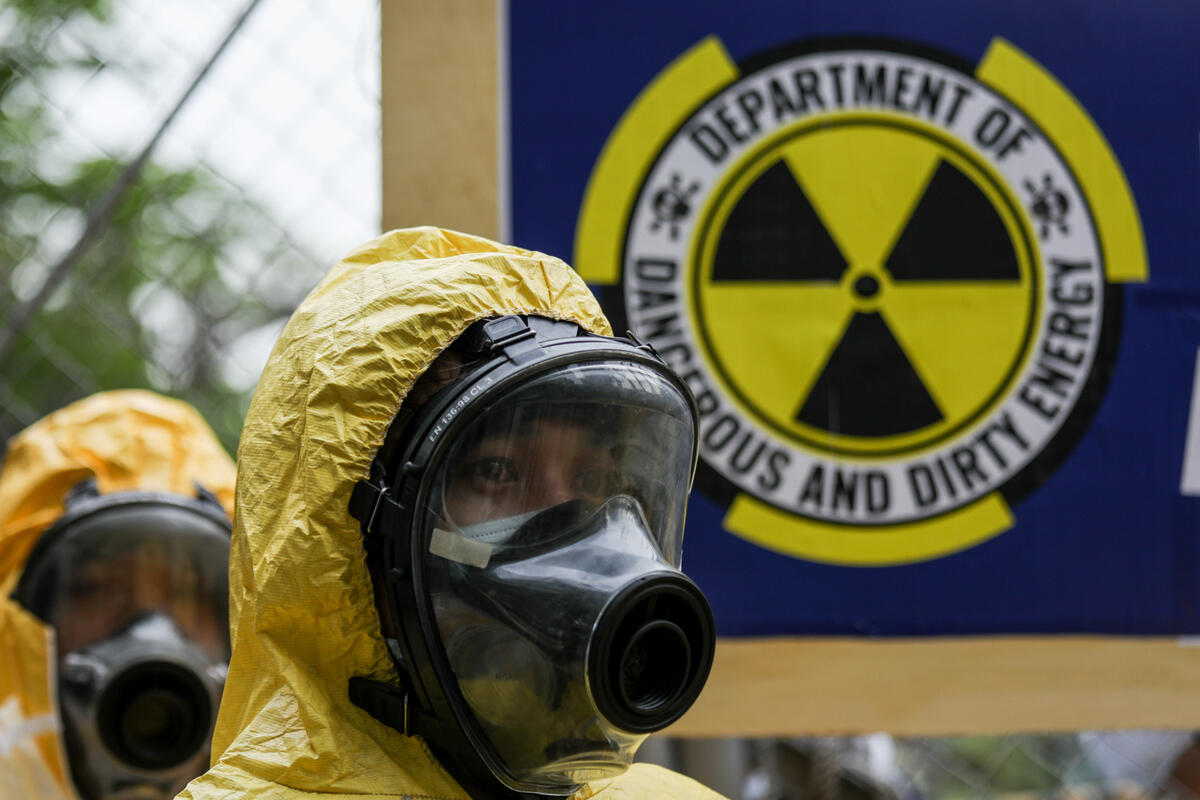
1020 767
155 302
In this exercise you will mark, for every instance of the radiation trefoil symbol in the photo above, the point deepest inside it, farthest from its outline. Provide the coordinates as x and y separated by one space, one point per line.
889 283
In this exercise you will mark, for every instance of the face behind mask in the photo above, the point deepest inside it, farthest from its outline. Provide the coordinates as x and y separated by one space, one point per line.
529 536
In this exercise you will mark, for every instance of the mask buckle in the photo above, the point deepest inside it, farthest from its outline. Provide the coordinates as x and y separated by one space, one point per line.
383 701
643 345
375 508
371 503
513 337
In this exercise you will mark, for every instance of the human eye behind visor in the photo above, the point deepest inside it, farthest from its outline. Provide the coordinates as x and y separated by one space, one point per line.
547 463
486 475
523 458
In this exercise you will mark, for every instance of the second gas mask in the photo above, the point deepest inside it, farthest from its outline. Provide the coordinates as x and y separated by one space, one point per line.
134 586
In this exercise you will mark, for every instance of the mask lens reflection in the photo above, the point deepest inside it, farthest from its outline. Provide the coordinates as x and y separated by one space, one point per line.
533 465
486 658
585 435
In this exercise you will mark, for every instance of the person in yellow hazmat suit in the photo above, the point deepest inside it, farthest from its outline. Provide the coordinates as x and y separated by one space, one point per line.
114 549
455 560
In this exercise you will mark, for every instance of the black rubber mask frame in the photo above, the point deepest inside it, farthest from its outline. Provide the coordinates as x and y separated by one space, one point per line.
85 501
512 350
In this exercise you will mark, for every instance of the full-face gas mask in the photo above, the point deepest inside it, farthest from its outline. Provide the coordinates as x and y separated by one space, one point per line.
528 533
135 587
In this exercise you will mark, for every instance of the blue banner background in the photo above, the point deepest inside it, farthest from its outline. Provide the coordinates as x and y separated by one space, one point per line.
1106 544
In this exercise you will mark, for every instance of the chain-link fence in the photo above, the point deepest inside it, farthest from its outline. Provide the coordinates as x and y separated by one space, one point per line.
174 272
170 261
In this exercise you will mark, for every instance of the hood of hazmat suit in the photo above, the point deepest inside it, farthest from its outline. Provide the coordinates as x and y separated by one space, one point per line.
128 440
302 612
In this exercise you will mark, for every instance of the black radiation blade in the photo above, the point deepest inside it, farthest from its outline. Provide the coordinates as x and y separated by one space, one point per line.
868 386
774 234
953 234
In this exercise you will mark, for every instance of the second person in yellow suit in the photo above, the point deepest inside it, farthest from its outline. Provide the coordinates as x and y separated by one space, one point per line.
445 432
114 543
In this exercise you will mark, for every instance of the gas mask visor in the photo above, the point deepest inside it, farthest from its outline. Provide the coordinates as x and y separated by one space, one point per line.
135 586
553 536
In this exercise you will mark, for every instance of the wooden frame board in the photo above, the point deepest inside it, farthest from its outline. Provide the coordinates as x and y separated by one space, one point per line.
440 115
930 687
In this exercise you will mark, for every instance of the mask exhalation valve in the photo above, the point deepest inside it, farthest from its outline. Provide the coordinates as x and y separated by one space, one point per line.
651 652
155 715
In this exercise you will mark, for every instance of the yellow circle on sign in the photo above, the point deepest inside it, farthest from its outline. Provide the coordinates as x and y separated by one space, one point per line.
883 266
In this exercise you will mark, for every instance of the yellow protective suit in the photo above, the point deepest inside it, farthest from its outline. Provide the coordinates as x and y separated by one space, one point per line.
303 616
126 440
